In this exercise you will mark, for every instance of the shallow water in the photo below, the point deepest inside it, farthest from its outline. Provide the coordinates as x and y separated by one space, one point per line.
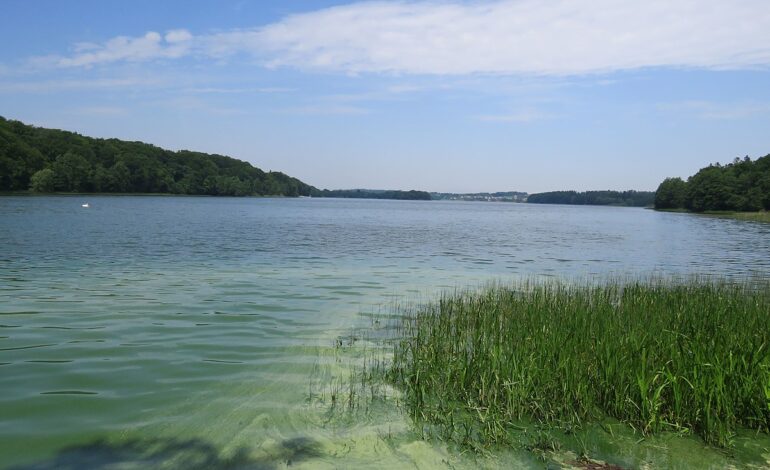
188 332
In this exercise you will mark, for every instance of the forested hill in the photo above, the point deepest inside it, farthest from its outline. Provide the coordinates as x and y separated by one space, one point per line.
595 198
48 160
743 185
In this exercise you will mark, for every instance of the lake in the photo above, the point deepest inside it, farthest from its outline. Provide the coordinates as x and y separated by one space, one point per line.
190 332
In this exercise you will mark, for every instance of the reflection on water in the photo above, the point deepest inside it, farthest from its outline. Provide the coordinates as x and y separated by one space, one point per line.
151 323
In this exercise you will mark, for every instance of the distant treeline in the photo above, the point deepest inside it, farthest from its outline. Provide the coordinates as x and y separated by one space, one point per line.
49 160
743 185
595 198
507 196
374 194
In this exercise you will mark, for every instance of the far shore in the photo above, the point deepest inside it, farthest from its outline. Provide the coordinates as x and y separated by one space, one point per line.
64 193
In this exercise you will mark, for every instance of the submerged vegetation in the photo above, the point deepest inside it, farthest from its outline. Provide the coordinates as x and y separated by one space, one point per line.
689 357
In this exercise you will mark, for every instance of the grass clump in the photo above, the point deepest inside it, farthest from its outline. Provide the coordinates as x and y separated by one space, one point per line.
658 355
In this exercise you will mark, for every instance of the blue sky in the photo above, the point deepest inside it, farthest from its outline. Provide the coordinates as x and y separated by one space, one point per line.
455 96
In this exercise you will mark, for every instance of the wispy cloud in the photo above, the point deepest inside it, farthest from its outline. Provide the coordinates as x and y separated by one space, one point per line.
173 45
401 89
718 111
45 86
332 109
560 37
196 104
238 91
521 116
527 36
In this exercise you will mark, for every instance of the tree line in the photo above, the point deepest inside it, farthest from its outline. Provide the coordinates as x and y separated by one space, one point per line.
50 160
375 194
743 185
595 198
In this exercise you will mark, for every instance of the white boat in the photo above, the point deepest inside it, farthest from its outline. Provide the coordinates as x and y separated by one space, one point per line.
85 205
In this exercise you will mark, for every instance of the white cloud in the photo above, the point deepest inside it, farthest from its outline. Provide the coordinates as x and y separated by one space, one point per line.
174 44
178 36
557 37
526 36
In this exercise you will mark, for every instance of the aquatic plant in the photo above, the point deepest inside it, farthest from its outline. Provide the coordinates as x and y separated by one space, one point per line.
689 356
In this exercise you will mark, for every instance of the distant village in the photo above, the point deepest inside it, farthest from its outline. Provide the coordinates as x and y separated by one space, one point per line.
510 196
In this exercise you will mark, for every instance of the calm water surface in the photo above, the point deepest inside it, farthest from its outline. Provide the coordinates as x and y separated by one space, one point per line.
184 332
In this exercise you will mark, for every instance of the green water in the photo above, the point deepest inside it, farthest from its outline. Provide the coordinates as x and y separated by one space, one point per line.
200 332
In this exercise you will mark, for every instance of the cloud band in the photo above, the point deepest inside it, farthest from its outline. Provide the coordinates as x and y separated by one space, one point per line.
560 37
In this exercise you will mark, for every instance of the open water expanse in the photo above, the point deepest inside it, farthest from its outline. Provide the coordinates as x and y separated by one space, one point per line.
190 332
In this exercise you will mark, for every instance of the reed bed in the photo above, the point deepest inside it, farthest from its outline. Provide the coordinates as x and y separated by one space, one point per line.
688 356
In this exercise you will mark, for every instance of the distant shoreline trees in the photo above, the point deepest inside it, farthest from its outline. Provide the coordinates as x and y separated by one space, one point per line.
54 161
49 160
742 186
595 198
374 194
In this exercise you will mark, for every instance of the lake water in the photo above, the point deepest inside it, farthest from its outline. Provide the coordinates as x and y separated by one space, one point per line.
189 332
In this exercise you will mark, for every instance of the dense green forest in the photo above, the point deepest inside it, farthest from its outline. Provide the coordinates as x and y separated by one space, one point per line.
743 185
595 198
49 160
374 194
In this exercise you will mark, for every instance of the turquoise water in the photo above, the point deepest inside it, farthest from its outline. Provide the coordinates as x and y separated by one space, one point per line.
188 332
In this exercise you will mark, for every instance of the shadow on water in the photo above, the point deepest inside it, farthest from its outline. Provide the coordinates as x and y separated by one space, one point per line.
174 454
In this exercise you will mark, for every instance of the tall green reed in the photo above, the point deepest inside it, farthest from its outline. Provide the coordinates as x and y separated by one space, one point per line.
689 356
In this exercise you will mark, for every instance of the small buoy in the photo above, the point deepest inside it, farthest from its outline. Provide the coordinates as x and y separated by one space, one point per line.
85 205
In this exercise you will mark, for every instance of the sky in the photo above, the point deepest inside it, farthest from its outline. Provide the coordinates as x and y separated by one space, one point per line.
449 96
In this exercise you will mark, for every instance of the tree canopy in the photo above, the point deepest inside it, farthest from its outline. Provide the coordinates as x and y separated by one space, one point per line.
48 160
743 185
594 198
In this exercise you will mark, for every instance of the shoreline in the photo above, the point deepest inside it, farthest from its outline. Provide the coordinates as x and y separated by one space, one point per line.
476 369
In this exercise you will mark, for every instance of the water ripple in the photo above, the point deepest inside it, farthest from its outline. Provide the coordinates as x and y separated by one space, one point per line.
194 315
